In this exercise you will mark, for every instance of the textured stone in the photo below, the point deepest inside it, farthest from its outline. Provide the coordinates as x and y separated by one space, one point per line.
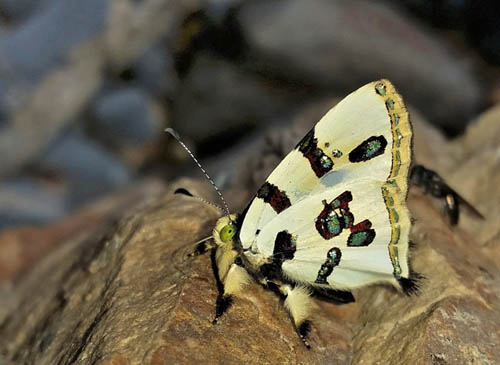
132 296
22 247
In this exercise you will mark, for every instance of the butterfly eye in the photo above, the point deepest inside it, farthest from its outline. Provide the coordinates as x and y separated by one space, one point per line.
227 233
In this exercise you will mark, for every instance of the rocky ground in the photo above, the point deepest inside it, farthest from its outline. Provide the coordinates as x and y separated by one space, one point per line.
86 89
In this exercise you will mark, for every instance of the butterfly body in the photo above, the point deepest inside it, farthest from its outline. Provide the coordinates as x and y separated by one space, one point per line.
332 216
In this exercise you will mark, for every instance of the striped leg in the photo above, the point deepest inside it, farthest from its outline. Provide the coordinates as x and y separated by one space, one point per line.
298 303
234 280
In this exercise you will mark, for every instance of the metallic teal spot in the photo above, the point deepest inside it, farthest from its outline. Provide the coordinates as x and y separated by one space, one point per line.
398 163
337 153
398 234
399 137
372 148
395 215
380 88
396 118
358 238
326 162
333 224
389 103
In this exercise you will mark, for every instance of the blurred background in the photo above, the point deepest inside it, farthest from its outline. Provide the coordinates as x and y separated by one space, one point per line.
87 87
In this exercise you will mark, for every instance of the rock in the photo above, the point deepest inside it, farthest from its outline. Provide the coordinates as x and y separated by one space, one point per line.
154 71
22 247
25 201
340 45
219 99
132 296
127 116
89 169
58 55
17 11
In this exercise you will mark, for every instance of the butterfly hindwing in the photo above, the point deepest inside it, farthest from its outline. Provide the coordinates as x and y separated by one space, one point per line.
334 209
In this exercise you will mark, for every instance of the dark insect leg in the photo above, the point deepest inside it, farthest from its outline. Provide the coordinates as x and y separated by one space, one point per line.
333 296
202 247
435 185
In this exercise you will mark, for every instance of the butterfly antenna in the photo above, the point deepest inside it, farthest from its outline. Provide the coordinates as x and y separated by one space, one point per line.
176 136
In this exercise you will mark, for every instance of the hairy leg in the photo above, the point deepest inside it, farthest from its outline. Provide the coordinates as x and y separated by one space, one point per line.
233 277
298 303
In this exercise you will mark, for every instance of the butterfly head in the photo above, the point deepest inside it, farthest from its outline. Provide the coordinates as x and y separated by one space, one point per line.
225 230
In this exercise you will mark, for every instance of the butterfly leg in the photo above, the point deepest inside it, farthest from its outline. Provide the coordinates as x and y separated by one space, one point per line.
435 185
202 247
298 303
233 277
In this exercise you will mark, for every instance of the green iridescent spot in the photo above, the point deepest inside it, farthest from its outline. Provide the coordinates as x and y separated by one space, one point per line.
347 219
399 137
389 103
398 163
227 232
337 153
395 215
373 147
332 254
396 118
333 224
326 162
380 88
358 238
398 234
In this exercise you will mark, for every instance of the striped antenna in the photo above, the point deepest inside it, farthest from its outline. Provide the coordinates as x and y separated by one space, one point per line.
176 136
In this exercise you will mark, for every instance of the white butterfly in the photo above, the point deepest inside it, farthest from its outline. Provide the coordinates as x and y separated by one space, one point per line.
332 216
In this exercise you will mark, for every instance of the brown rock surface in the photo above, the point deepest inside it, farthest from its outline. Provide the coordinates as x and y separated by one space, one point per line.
130 295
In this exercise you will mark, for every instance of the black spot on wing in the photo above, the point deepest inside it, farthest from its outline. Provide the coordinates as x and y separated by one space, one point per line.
372 147
335 216
332 259
361 234
272 195
285 246
320 162
284 249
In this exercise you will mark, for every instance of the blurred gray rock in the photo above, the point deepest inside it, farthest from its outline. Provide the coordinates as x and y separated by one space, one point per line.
52 64
155 71
341 45
127 115
19 10
24 201
217 97
88 168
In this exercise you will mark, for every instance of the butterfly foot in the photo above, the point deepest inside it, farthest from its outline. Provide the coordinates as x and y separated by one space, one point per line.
303 330
224 302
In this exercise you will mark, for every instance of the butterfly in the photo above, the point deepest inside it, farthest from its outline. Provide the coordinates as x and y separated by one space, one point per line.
332 216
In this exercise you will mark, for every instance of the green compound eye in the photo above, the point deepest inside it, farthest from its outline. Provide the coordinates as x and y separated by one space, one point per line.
227 233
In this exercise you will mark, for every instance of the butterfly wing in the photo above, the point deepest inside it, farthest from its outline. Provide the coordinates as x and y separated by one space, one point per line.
361 146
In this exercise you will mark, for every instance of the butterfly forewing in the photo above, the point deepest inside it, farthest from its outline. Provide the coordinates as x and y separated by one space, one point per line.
340 195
